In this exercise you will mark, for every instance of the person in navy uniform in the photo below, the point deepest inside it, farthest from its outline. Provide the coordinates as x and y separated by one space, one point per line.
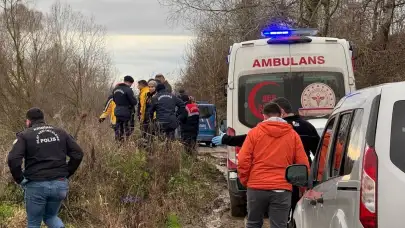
125 102
44 149
164 104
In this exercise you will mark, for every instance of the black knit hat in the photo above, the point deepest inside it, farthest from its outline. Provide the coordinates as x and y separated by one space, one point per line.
284 104
129 79
185 98
160 87
34 114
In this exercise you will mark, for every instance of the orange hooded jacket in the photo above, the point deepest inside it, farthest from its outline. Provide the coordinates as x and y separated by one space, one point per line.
268 150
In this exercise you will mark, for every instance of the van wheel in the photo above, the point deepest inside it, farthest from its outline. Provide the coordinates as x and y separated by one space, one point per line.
238 209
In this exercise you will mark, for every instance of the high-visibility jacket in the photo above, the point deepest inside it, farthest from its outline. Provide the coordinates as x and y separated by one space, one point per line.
109 110
142 103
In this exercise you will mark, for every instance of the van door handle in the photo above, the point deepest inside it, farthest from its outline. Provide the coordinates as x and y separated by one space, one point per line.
313 202
320 200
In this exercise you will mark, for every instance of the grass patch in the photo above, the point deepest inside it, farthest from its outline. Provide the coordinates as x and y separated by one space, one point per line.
6 212
173 221
158 186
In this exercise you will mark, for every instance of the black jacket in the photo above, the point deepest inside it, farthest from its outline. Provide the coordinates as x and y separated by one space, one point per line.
164 104
168 87
44 149
189 126
307 132
148 114
125 102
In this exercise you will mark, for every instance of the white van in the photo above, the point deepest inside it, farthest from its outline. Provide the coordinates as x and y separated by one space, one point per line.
357 179
313 73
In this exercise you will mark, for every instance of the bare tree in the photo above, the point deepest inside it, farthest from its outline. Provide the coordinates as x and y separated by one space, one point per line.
56 61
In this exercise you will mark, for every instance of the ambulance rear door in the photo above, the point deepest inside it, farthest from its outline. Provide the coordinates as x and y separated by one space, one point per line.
319 73
254 60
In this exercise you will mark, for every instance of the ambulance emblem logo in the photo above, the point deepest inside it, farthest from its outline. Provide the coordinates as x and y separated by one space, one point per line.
318 95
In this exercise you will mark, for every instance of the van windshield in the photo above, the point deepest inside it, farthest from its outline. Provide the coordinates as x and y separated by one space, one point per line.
302 89
206 111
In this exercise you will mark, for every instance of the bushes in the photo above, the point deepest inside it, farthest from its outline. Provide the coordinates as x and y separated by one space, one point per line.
158 186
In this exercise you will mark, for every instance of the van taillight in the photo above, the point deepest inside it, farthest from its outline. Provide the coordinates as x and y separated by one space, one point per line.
353 63
232 151
369 189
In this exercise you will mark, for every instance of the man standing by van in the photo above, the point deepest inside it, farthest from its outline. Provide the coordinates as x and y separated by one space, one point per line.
125 102
44 149
307 132
268 150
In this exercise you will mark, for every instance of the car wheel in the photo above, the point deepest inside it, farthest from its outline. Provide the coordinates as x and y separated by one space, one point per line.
238 208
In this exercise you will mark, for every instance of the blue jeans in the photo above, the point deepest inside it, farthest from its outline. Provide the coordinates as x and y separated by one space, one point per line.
43 200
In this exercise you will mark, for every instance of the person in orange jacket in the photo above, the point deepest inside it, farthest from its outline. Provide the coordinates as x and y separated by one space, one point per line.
268 150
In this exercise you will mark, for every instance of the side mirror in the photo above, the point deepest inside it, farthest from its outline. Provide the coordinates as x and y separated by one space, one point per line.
297 175
222 126
225 89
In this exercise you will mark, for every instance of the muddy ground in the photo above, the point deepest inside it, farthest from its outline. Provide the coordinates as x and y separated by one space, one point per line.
220 216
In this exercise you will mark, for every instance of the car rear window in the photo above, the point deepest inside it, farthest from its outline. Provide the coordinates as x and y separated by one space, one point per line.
259 89
206 111
397 154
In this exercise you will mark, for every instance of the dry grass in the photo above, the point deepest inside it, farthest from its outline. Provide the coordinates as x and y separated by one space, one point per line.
164 187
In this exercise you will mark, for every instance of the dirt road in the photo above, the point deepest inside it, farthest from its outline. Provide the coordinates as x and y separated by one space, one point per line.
220 216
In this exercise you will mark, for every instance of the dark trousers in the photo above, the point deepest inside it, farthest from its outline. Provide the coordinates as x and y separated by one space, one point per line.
189 142
132 124
145 129
277 204
295 197
169 134
122 128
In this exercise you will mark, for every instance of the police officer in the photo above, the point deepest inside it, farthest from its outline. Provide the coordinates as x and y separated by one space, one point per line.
125 102
165 103
44 149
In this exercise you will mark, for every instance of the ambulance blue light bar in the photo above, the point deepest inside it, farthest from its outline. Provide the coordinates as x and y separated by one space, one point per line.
275 33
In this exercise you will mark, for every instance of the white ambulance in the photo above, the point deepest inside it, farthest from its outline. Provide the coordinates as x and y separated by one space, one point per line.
313 73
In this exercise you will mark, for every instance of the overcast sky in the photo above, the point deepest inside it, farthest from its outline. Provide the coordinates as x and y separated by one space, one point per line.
140 40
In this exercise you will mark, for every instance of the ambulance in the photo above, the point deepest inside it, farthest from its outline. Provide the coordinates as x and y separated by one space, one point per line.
312 72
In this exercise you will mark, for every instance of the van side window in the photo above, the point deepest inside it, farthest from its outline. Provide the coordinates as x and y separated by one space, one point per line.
397 140
339 144
355 144
323 149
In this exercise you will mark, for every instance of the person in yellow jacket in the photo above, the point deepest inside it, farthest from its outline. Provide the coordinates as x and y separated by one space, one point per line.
143 91
149 121
109 111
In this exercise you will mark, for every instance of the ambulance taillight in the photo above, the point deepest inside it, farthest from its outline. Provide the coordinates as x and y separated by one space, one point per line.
232 163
